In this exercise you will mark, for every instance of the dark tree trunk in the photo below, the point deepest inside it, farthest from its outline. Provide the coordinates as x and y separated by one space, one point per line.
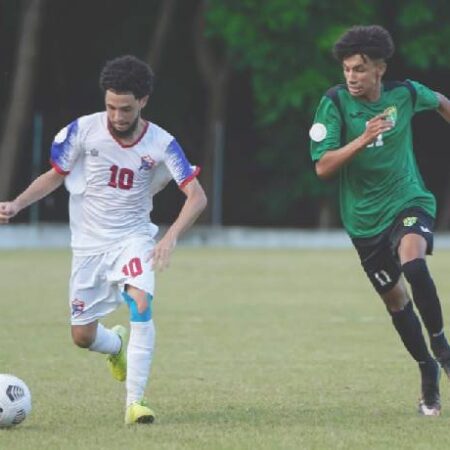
21 93
163 23
215 71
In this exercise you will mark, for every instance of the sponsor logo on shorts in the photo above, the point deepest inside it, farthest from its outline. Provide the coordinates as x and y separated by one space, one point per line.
425 229
77 307
409 221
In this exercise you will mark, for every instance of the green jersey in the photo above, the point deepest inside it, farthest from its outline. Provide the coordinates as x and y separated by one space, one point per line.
383 179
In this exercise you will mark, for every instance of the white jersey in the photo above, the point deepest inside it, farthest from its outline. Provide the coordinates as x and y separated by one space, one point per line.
112 185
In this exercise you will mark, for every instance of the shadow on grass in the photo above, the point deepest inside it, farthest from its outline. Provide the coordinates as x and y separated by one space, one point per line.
282 415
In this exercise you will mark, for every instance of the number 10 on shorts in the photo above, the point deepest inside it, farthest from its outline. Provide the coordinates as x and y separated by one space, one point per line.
133 268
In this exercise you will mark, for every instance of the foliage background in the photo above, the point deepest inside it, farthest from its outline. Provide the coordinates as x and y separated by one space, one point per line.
278 52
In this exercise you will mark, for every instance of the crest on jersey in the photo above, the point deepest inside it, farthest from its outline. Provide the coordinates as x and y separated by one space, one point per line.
77 307
409 221
147 162
391 114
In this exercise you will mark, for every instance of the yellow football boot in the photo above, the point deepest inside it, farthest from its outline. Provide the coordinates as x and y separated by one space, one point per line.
139 412
118 363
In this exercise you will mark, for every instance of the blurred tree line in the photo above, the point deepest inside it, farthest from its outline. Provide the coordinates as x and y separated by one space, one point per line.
237 82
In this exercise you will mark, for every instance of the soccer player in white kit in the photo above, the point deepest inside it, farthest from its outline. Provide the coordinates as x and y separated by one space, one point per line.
113 163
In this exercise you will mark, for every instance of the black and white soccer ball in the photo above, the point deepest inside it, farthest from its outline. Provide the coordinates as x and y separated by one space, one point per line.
15 401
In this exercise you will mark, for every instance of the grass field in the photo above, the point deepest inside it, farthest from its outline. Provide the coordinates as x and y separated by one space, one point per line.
255 350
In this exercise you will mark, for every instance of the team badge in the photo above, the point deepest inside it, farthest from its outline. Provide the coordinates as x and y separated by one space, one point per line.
147 162
318 132
409 221
77 307
391 114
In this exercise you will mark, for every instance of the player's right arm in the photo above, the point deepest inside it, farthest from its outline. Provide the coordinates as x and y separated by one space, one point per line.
39 188
332 160
327 150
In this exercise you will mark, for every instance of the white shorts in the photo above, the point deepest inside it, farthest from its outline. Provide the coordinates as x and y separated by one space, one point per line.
97 282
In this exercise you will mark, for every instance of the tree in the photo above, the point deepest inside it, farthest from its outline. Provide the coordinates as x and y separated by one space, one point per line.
286 44
163 23
214 65
21 93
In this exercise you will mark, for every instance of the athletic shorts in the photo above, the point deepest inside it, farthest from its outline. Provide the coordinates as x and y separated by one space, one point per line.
97 281
379 254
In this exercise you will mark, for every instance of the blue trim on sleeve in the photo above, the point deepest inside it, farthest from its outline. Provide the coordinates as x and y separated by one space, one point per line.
59 153
178 163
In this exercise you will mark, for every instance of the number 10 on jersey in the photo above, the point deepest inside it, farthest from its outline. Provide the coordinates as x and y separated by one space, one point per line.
121 178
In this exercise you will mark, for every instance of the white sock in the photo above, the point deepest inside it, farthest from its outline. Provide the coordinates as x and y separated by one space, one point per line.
106 341
139 358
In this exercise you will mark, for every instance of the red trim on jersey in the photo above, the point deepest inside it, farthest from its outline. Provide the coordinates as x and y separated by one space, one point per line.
190 178
58 169
133 143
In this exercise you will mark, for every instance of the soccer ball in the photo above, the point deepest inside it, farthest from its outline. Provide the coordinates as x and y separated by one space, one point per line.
15 401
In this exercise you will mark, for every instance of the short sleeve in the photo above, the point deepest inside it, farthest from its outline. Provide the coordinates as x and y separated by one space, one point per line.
325 133
426 98
178 165
66 148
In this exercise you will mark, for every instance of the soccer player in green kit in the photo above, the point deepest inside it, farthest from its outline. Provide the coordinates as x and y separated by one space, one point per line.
362 133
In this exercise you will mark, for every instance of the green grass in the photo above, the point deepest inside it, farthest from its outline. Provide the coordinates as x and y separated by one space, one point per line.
255 350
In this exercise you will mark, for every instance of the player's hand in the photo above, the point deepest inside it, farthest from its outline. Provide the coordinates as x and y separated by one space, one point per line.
7 211
376 126
162 252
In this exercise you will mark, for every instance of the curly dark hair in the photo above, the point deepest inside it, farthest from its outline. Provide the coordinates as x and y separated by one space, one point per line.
373 41
127 74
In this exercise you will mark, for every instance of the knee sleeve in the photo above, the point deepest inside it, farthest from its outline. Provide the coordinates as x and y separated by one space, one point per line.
135 315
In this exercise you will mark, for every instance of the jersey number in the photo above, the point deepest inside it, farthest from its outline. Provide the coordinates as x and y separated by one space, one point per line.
378 142
133 268
121 178
382 277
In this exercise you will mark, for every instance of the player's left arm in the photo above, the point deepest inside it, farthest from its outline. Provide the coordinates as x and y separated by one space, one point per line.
194 204
444 106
